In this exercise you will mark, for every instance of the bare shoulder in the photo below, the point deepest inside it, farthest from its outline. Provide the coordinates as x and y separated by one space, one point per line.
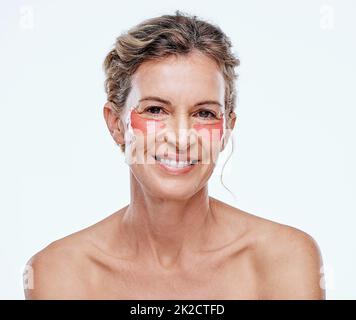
287 260
289 263
64 269
55 272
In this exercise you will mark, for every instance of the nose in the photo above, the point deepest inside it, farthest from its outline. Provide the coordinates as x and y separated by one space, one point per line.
182 132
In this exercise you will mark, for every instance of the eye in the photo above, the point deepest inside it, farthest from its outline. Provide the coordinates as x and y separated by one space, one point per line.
154 109
206 114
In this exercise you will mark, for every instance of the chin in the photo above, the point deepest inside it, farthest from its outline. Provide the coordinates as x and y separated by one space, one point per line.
170 186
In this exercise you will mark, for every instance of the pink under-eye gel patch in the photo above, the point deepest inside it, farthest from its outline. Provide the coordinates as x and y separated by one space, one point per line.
210 131
145 125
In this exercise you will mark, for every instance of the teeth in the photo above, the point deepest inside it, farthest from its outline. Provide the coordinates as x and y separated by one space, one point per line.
175 164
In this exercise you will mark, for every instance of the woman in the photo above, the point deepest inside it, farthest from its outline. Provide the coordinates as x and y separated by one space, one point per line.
170 83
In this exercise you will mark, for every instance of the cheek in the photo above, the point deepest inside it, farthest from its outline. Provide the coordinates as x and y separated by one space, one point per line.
145 126
211 132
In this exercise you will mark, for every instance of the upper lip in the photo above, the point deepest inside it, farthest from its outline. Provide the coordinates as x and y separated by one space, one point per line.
176 157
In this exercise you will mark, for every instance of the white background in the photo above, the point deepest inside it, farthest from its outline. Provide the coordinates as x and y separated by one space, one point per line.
294 158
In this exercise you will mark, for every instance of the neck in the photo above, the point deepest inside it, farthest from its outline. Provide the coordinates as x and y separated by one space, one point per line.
167 228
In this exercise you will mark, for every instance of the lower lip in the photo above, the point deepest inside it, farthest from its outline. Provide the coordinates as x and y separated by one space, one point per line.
173 170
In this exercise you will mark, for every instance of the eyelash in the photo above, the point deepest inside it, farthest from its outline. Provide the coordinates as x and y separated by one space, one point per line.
212 114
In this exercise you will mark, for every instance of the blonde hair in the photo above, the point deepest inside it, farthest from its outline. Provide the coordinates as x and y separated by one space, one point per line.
159 37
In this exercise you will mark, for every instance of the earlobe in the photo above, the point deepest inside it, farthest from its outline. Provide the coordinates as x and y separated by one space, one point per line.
119 132
113 123
231 125
232 119
108 116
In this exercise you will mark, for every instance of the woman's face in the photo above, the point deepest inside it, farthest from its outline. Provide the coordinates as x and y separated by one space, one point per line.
174 124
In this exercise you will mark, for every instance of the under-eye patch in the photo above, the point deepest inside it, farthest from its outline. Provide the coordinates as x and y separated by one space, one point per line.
146 123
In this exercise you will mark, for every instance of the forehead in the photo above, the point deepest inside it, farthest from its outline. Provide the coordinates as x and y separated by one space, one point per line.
181 79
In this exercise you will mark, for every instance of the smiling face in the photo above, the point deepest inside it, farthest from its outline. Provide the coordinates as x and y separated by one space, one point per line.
174 124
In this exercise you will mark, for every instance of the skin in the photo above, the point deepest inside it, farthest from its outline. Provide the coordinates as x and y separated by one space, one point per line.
174 241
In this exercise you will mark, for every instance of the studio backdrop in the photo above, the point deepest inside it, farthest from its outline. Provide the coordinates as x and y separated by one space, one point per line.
293 157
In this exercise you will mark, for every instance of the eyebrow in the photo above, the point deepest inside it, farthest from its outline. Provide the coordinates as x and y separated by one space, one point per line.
154 98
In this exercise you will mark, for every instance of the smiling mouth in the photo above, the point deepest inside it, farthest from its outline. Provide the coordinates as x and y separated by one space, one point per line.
174 163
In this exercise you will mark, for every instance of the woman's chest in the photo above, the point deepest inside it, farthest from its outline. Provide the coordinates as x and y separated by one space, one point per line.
230 280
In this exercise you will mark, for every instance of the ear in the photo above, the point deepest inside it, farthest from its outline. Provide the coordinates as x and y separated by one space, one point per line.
232 120
230 126
114 123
